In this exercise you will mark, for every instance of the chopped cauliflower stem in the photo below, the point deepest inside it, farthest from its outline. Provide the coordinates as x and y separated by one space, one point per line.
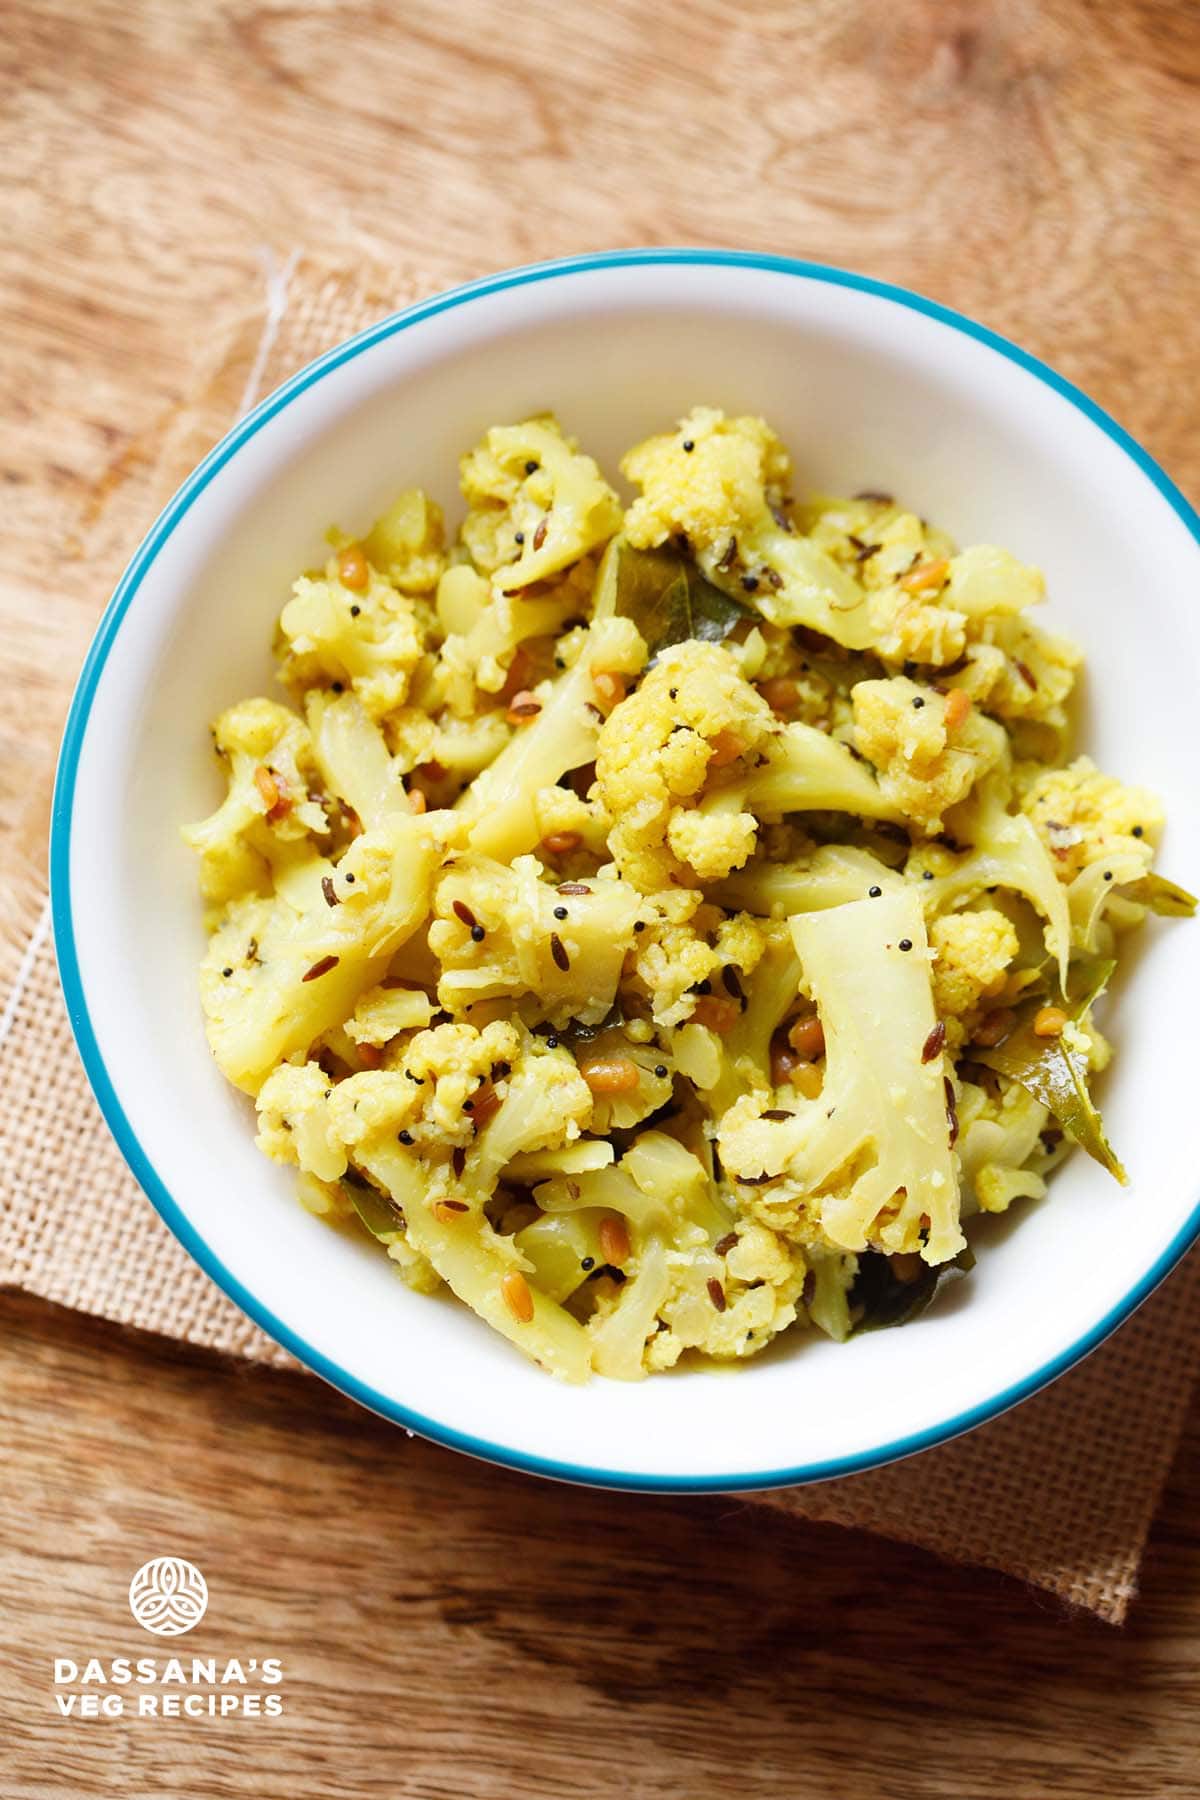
663 926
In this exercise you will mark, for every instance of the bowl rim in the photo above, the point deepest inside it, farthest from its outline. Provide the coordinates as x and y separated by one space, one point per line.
62 809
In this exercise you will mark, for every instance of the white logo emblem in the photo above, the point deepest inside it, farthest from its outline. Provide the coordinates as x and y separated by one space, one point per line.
168 1596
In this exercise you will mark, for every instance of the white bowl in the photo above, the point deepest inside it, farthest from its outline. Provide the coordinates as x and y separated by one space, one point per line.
871 387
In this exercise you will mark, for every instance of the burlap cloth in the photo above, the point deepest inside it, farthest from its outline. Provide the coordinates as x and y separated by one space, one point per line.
1060 1492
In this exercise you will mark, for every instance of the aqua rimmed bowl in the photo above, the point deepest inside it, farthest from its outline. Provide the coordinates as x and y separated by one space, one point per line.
871 386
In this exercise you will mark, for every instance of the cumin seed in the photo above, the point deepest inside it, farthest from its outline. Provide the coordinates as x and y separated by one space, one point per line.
321 967
951 1112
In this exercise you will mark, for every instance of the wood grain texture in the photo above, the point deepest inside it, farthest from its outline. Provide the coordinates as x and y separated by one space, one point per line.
447 1630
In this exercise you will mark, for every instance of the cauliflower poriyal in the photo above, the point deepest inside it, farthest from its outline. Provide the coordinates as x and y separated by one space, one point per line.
665 925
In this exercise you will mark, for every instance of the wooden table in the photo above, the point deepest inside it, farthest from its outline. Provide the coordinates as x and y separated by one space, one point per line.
447 1630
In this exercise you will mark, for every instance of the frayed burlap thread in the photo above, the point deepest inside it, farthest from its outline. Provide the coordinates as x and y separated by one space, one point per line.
1059 1492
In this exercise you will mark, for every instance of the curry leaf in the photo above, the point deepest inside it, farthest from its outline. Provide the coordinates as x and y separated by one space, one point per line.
575 1032
1161 896
668 599
381 1218
881 1299
1054 1073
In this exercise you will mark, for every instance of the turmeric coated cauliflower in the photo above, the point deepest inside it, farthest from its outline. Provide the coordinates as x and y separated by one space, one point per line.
406 543
1083 817
366 638
661 927
268 811
868 1160
537 504
501 931
721 484
971 955
927 762
693 713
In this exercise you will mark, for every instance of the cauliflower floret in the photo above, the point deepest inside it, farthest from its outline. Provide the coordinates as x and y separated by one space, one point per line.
298 1124
430 1092
756 1306
760 1255
740 942
683 942
726 1285
352 755
324 1199
457 1059
873 535
406 543
786 678
485 654
1018 672
368 639
737 1059
653 757
443 749
268 754
441 1203
1084 817
807 879
545 1105
703 478
672 956
492 1091
384 1012
996 1187
931 604
500 805
282 972
985 582
972 951
712 844
999 1125
1001 1133
906 579
681 1259
536 503
908 629
924 766
803 770
1001 849
720 482
563 814
869 1161
294 1124
505 931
